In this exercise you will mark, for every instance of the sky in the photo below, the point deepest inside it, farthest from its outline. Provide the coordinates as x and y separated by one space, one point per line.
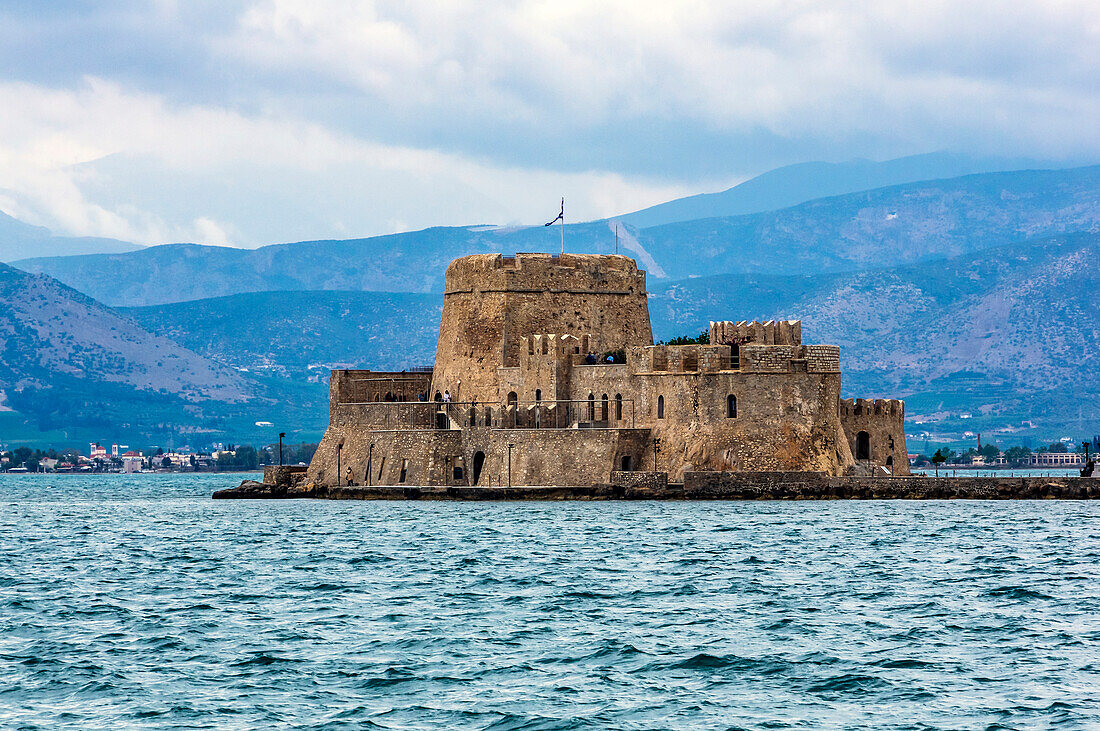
247 122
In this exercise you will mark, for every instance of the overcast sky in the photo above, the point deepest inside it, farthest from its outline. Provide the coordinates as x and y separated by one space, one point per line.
246 122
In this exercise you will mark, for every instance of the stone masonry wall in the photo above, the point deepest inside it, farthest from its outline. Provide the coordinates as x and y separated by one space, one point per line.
429 457
491 302
883 420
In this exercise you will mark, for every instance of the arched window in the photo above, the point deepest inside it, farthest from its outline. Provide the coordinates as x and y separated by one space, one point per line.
863 445
660 407
618 407
603 408
731 407
512 398
538 395
591 407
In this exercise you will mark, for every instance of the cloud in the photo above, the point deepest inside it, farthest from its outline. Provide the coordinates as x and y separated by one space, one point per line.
103 161
259 120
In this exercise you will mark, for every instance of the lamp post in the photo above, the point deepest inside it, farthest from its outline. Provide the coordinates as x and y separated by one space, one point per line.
281 435
656 449
510 445
339 452
370 462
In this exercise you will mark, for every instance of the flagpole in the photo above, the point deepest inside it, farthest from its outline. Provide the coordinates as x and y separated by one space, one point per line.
563 226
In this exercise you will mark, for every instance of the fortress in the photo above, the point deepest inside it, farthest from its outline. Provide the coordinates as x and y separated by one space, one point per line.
551 377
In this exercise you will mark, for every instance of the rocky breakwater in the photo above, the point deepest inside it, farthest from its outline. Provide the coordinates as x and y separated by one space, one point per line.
280 481
288 482
817 486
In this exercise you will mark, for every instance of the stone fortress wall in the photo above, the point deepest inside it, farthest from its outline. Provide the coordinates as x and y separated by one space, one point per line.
520 352
491 302
875 429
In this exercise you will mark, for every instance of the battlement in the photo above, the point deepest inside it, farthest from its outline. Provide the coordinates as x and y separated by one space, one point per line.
872 407
531 272
772 332
750 358
363 386
680 358
561 346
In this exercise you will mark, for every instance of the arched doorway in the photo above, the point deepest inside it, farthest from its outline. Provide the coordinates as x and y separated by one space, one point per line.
479 462
863 446
603 408
618 407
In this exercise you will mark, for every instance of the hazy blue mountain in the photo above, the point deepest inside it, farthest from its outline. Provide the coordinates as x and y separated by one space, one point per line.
793 184
1006 334
73 366
880 228
303 335
20 240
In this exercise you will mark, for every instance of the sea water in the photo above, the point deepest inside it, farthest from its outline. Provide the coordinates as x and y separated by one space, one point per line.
138 602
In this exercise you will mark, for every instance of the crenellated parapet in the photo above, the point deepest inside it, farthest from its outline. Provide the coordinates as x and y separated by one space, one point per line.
363 386
893 408
552 345
749 358
680 358
772 332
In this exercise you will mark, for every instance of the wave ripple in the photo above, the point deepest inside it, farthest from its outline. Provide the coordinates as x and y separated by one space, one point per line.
137 602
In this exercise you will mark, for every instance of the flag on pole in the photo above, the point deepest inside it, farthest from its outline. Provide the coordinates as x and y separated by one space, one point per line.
561 216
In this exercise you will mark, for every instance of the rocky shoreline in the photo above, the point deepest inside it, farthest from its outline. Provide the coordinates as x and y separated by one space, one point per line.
286 484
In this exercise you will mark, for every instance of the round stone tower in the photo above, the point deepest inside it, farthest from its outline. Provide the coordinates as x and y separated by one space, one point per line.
492 301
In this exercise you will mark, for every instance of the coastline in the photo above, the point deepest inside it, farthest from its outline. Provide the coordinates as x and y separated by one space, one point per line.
697 486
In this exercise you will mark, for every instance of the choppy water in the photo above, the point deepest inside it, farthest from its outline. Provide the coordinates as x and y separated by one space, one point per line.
138 602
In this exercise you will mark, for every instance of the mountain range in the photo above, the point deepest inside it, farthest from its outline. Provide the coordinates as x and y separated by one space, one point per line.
972 297
870 229
20 240
793 184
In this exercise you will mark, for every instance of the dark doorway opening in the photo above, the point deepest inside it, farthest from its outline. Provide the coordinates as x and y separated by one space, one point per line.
479 462
626 463
863 445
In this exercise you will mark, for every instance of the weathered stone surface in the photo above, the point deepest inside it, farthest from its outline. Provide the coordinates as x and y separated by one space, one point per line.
521 356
